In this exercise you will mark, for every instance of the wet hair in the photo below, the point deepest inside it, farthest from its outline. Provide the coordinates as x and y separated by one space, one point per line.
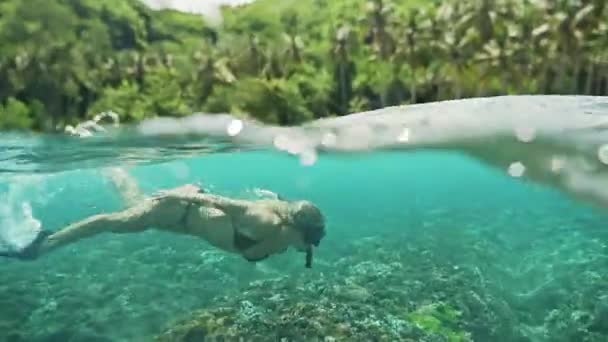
309 221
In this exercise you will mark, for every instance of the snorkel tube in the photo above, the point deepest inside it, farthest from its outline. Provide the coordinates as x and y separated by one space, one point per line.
308 263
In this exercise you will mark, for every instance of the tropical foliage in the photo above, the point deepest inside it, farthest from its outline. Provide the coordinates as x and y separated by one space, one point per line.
289 61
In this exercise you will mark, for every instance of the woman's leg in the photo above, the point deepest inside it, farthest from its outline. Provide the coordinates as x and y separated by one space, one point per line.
141 213
132 220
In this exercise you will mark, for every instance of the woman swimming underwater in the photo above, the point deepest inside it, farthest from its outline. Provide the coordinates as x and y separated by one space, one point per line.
253 229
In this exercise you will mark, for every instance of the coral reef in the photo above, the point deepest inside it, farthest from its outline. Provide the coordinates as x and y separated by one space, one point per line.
418 284
356 298
436 285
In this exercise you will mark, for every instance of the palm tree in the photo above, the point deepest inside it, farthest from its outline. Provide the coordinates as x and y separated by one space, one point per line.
343 69
377 13
290 36
211 70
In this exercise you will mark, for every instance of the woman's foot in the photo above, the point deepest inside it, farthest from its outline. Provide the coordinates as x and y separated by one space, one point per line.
30 252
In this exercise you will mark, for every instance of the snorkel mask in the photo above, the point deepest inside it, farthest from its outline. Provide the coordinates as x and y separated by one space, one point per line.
308 219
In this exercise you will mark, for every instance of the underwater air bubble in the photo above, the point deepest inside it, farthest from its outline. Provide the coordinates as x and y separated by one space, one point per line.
516 169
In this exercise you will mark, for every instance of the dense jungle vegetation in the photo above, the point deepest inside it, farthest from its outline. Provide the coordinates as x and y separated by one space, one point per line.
286 62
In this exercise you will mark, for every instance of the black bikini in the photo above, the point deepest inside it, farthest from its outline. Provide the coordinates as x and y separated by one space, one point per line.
241 241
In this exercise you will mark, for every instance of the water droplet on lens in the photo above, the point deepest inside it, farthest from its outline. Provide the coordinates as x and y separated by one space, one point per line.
329 139
281 142
525 134
294 147
557 164
234 127
181 171
516 169
308 158
404 136
602 153
356 137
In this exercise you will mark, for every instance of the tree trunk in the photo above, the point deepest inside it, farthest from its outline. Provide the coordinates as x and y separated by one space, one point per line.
458 83
343 95
547 78
561 74
575 75
413 88
295 50
603 82
589 79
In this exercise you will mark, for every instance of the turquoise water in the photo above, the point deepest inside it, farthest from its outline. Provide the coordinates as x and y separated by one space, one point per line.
421 246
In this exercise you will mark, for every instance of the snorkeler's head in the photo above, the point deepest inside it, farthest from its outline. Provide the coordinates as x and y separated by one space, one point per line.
309 221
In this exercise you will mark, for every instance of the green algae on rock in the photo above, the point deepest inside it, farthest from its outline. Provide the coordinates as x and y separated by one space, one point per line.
441 319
